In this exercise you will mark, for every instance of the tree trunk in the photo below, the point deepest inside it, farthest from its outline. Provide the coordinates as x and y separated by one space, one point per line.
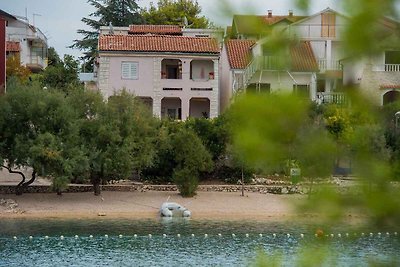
18 189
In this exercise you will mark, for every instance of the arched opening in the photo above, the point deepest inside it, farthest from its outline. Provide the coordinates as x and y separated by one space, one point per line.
390 97
202 70
199 108
171 107
171 69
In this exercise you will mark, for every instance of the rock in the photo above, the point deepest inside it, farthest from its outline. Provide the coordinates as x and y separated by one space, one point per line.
284 190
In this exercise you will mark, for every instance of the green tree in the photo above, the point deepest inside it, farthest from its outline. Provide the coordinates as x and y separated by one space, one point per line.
117 136
37 130
117 12
191 158
175 12
61 74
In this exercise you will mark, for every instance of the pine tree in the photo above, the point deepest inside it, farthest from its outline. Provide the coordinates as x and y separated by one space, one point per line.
118 12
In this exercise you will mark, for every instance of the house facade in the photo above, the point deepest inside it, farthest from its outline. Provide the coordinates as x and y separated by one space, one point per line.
28 42
316 63
176 76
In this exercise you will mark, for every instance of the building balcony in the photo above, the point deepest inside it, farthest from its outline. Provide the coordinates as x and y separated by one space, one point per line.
386 67
328 65
36 63
331 98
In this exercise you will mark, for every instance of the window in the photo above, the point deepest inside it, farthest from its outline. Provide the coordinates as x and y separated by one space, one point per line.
130 70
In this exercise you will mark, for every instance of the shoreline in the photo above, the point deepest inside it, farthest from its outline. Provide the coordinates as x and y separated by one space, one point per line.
217 206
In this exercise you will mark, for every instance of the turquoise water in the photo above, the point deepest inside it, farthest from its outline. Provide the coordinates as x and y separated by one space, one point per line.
192 248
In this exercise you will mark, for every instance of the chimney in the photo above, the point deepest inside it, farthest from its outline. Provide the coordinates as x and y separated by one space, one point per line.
290 13
269 13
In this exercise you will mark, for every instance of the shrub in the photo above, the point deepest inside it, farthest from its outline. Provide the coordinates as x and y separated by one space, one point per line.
186 181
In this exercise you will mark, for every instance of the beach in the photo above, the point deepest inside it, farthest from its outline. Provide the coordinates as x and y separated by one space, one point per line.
142 205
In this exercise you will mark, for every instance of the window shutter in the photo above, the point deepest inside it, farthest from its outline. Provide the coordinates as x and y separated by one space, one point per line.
130 70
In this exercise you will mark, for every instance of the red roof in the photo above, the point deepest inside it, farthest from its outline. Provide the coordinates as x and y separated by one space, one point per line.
389 86
302 58
156 29
12 46
239 53
158 43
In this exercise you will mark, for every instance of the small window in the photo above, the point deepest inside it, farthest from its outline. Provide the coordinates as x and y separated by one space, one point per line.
130 70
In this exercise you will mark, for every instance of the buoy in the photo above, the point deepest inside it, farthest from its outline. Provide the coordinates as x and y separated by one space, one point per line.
379 234
319 233
362 234
90 236
192 235
332 235
219 235
339 235
387 233
233 235
135 235
30 237
46 237
302 235
120 236
395 233
371 234
164 235
274 235
15 238
247 235
76 236
106 236
347 234
150 235
61 237
260 235
288 235
315 235
205 235
178 235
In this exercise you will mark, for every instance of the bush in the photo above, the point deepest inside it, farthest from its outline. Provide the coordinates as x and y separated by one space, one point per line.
186 181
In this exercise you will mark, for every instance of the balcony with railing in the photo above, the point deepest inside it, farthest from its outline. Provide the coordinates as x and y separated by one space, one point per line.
331 98
36 63
324 65
387 67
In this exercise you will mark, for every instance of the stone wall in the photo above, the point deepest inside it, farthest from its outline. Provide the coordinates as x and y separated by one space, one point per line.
263 189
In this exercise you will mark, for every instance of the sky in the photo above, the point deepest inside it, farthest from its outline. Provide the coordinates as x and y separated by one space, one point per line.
60 19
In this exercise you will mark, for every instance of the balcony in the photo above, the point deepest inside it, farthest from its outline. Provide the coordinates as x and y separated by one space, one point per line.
387 67
325 65
331 98
36 63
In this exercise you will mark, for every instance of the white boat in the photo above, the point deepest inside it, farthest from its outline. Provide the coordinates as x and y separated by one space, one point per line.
172 209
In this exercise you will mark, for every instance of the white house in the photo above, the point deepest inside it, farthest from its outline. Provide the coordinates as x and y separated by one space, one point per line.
177 76
29 42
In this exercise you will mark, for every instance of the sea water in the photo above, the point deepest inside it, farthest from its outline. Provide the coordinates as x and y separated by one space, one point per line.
108 242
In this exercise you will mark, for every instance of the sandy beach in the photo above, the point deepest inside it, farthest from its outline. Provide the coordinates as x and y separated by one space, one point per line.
206 205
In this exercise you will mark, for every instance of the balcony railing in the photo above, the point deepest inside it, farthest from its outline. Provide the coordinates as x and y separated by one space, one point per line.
325 65
387 67
331 98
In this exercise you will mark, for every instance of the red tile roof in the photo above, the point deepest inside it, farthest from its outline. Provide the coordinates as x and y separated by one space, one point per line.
156 29
12 46
158 43
389 86
239 53
302 58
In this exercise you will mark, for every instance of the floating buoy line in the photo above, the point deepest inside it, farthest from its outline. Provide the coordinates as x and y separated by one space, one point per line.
318 234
